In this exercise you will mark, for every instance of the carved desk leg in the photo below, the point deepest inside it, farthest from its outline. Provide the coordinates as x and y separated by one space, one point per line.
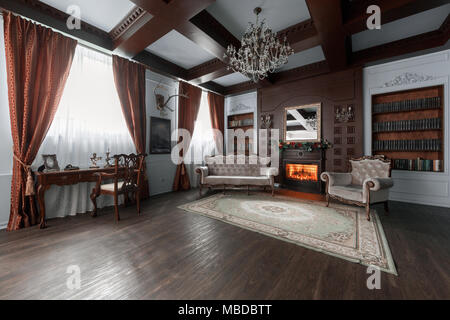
41 201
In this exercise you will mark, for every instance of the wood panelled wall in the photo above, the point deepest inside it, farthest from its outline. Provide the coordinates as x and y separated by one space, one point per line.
333 90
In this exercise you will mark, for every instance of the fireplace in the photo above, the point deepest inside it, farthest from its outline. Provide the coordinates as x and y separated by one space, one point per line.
301 170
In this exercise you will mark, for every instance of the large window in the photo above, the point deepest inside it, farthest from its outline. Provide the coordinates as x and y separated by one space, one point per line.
202 143
89 120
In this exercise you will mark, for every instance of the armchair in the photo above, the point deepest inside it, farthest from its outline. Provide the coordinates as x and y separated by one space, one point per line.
127 176
368 183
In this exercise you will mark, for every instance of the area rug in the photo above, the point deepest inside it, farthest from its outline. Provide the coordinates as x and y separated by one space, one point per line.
340 230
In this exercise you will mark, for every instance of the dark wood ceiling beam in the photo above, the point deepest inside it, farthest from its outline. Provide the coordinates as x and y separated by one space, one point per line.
420 42
163 17
212 86
56 19
327 17
302 72
355 16
208 71
219 35
301 36
160 65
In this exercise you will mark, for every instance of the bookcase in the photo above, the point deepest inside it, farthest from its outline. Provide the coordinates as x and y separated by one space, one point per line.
245 122
408 127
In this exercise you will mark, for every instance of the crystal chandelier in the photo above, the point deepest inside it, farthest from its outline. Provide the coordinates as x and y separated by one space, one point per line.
261 51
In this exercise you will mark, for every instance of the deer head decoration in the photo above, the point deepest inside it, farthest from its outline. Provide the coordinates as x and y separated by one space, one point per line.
160 104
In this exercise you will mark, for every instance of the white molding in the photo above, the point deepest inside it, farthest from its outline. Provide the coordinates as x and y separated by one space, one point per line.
407 78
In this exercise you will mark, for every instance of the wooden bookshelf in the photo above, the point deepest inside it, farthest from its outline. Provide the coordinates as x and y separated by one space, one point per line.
413 115
245 122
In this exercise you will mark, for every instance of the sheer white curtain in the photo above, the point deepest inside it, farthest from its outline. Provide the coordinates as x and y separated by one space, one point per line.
89 119
202 143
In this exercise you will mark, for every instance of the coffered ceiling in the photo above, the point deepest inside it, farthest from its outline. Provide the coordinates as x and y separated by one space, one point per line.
103 14
187 39
178 49
416 24
231 79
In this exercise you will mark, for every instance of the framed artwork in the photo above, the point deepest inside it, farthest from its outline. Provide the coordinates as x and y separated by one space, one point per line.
160 136
303 123
50 162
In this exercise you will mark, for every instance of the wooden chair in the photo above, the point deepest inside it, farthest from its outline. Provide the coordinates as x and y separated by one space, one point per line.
127 177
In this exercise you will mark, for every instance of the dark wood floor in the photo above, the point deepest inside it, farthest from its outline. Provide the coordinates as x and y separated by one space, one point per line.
170 254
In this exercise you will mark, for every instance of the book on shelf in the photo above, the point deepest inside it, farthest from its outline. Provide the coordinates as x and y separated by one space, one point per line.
408 125
407 105
408 145
418 164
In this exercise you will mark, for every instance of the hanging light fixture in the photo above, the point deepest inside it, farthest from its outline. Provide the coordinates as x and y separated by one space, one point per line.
261 51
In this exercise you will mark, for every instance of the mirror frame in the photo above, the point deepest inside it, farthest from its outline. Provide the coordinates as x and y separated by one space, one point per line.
319 122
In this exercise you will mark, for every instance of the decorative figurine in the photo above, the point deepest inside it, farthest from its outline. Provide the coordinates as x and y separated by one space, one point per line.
108 159
94 160
266 121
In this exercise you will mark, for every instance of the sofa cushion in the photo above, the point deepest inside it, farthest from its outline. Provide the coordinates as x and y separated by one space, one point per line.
351 192
236 165
110 186
237 180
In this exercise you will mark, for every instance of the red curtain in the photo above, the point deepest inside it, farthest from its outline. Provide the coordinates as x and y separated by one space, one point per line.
129 78
187 114
38 63
217 112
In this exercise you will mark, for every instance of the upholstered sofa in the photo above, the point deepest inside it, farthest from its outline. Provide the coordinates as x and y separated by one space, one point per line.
368 183
237 171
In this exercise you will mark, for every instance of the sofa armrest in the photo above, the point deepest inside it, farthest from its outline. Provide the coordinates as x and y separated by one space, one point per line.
203 172
376 184
336 179
269 172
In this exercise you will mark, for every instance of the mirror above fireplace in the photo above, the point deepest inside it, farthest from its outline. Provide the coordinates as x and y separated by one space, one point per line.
303 123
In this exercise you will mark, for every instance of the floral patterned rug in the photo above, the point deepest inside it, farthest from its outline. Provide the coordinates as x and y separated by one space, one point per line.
340 230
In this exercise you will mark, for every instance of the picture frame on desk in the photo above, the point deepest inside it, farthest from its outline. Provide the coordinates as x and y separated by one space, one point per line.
50 163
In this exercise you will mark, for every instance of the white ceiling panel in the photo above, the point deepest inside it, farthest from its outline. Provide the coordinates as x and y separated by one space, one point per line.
279 14
231 79
304 58
178 49
103 14
403 28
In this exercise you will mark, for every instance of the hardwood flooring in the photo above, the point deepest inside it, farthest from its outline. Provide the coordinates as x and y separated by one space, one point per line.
170 254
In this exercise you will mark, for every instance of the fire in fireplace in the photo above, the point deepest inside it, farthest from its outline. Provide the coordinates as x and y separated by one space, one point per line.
302 172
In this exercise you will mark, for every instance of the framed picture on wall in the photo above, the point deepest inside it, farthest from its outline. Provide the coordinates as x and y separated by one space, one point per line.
160 136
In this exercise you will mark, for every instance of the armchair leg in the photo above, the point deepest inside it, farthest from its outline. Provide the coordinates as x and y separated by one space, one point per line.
273 191
94 201
328 199
116 207
368 211
386 207
200 190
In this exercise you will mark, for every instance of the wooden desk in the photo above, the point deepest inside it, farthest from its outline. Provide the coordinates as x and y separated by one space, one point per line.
62 178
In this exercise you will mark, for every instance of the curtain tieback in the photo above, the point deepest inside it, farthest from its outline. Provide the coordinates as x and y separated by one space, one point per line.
29 189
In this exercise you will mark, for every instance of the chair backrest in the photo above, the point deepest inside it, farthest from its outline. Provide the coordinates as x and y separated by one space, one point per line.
370 167
129 168
236 165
